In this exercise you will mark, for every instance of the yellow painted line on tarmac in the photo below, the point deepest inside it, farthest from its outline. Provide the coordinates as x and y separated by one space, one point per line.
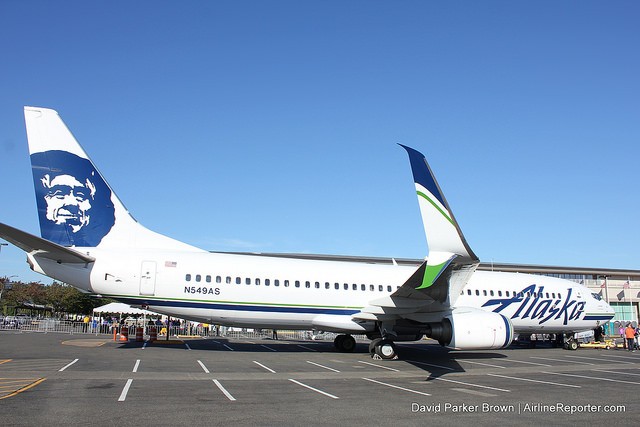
28 383
5 361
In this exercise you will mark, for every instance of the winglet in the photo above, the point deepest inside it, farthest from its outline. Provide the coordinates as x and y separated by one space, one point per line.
442 230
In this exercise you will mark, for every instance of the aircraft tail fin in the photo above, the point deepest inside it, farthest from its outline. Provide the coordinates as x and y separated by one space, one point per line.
76 206
442 229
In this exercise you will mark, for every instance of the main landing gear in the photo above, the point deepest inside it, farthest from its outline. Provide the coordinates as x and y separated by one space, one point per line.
381 348
345 343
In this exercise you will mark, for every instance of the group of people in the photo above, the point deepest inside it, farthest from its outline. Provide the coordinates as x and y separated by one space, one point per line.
630 335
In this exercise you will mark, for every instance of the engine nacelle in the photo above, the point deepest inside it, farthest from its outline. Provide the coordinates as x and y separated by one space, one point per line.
469 328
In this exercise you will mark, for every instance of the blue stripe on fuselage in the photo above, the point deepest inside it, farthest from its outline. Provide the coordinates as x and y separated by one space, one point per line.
234 307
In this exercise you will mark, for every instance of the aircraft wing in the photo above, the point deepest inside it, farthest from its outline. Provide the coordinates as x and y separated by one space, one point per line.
435 286
43 248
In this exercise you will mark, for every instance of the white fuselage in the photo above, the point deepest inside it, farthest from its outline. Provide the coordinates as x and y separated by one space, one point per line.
278 292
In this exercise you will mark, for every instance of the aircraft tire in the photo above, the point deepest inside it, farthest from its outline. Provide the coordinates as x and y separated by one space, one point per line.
373 344
337 342
348 344
386 349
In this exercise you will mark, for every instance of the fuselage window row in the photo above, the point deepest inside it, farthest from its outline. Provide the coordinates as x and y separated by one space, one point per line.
511 294
307 284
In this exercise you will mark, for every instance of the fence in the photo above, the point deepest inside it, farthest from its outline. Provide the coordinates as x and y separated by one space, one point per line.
46 325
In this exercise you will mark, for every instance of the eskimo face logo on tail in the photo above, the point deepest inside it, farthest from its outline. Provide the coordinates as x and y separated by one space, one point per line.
74 202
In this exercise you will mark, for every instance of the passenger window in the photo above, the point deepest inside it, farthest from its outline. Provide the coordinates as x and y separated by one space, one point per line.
484 292
208 279
297 283
372 288
477 292
198 277
317 285
346 286
336 285
276 282
218 279
228 280
380 288
491 292
389 288
247 281
499 293
468 291
238 280
258 282
267 282
187 277
327 285
286 283
354 287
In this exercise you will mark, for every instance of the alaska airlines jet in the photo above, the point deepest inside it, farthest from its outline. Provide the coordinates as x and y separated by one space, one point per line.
90 241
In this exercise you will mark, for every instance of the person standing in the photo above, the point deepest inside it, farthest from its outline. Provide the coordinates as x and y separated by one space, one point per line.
630 335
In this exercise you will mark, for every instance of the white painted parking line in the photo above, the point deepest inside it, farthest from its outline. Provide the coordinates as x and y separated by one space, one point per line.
65 367
227 347
307 348
125 390
431 364
561 360
135 367
204 368
322 366
592 378
378 366
223 390
535 381
474 392
604 359
268 348
615 372
314 389
597 359
529 363
397 387
480 363
262 366
621 357
472 385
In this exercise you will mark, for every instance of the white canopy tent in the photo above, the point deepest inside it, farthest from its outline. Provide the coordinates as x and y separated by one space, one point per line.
121 308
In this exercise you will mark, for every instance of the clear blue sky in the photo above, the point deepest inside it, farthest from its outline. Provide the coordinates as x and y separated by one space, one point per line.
272 125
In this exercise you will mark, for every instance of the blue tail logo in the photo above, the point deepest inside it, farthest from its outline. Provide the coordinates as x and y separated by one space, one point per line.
74 201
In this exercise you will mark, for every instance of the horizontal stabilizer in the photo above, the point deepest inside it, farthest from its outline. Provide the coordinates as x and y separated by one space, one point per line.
43 248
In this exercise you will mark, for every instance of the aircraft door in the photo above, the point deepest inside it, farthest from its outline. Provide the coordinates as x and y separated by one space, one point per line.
148 278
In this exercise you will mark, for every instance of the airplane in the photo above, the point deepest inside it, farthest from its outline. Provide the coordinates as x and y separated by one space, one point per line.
89 240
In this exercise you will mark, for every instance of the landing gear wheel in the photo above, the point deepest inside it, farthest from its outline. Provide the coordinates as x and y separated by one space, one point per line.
373 344
345 343
386 350
337 342
572 345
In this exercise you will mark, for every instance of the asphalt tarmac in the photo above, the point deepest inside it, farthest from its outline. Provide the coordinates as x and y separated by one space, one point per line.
57 379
